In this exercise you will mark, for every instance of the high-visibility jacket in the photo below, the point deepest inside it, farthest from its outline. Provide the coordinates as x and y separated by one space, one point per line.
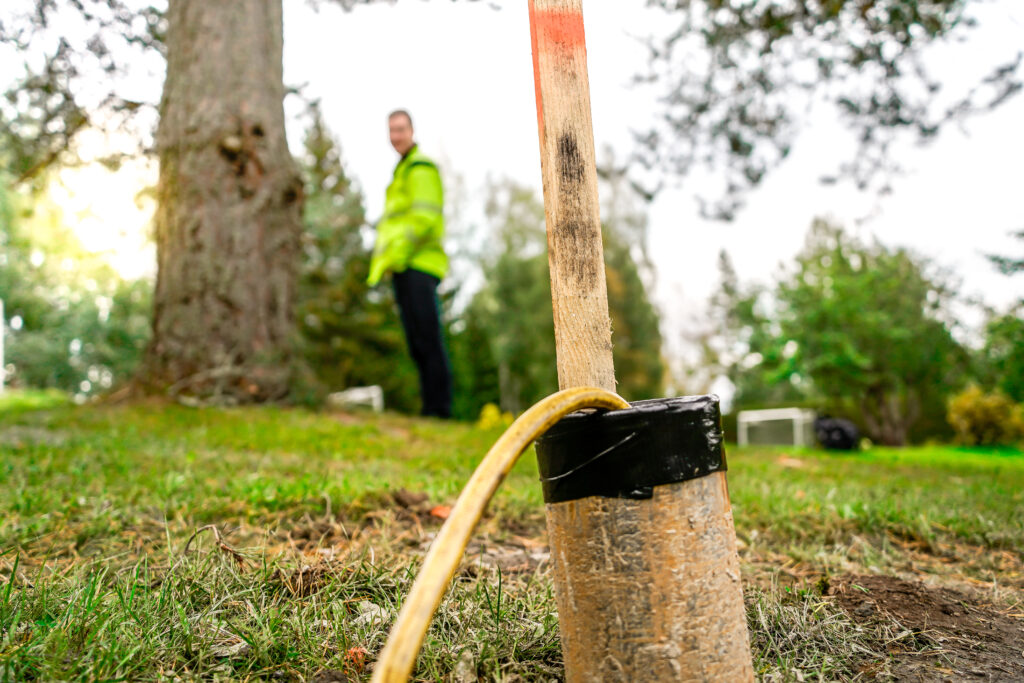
410 233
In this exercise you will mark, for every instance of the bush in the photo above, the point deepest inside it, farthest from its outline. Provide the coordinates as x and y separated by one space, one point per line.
491 417
985 419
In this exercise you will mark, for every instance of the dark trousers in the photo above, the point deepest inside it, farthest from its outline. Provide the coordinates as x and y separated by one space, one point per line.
416 293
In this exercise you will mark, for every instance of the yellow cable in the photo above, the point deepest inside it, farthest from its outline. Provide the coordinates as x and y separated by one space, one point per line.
399 655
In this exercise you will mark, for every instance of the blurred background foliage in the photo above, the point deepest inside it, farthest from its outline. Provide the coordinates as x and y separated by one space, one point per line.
71 321
851 327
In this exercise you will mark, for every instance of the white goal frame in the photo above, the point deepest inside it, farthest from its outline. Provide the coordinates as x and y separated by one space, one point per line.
800 417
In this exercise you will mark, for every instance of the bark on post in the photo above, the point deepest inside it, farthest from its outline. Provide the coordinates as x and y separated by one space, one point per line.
647 589
650 589
579 295
229 215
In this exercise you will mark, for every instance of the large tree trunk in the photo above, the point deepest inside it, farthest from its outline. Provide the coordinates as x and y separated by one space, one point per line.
886 420
229 216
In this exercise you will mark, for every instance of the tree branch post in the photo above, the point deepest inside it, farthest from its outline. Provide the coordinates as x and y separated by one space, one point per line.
645 565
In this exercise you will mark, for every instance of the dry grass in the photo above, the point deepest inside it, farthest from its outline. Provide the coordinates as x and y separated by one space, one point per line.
149 542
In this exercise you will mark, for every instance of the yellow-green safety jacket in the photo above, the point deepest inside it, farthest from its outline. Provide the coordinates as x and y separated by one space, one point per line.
410 233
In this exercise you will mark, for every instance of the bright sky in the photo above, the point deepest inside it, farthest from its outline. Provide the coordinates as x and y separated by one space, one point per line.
465 73
108 213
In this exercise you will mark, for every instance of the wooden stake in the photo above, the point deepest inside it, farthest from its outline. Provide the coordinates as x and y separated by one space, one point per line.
647 590
579 295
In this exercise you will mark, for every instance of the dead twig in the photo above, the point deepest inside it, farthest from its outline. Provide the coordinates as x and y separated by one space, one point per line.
218 539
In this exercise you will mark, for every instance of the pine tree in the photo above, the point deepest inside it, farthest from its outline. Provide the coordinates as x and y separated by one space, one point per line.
229 211
514 307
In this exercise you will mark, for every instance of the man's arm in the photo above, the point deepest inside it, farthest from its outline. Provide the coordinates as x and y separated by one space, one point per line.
426 210
421 222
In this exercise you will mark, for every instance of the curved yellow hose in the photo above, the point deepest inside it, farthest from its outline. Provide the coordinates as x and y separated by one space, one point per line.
399 655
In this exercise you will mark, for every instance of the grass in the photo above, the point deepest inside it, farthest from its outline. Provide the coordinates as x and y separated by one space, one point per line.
18 401
110 568
932 497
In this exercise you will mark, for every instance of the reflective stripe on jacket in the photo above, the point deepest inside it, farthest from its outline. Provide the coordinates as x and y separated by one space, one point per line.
410 233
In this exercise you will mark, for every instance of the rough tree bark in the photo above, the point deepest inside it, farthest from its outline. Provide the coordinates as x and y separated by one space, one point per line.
229 216
888 416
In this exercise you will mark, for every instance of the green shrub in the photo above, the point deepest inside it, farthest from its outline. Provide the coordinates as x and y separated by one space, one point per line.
985 419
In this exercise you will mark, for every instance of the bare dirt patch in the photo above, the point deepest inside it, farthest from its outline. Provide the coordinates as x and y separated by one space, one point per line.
407 522
972 563
943 634
309 579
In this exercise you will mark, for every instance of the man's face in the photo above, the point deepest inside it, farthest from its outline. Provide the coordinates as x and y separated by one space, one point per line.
400 129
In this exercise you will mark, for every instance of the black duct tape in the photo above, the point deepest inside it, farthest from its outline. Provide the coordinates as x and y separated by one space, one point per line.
626 453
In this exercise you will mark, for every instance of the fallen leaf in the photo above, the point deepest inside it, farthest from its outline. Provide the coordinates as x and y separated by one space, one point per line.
355 658
237 649
409 499
441 511
370 614
465 669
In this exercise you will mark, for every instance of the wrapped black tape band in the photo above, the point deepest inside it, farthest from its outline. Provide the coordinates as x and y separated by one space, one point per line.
626 453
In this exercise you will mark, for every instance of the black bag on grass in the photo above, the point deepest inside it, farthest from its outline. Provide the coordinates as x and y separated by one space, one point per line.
837 434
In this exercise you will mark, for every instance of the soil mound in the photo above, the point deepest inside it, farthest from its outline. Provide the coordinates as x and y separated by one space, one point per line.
947 635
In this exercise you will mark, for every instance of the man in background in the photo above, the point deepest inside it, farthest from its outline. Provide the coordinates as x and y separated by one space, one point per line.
409 247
